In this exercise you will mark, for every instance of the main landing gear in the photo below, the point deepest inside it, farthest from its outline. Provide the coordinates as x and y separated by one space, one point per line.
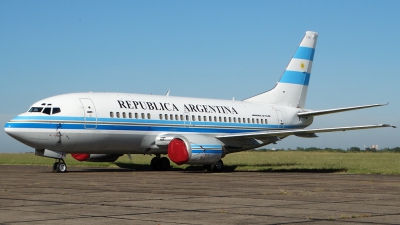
60 166
217 167
160 163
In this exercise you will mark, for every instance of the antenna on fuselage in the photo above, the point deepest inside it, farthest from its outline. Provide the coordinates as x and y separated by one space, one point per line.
167 94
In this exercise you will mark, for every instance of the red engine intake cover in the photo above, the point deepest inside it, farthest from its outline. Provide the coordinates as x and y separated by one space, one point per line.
177 151
80 156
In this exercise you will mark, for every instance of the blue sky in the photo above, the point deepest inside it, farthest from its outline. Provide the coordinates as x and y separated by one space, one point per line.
209 49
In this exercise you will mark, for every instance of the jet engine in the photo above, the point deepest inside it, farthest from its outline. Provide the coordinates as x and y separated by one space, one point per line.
95 157
195 149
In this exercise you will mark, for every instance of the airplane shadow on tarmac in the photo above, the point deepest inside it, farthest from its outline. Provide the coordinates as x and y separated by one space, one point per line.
129 167
229 168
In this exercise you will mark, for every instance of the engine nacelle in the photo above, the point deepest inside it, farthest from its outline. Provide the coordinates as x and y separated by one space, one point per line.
195 149
95 157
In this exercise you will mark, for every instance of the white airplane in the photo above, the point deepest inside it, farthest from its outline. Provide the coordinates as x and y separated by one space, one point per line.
104 126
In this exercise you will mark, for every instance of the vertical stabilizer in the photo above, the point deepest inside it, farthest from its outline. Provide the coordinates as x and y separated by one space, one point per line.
291 89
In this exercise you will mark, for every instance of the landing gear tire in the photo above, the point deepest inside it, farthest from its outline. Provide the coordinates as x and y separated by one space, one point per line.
155 163
218 166
164 163
60 167
55 165
158 163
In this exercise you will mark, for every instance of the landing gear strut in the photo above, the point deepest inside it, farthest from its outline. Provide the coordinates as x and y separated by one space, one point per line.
60 166
158 163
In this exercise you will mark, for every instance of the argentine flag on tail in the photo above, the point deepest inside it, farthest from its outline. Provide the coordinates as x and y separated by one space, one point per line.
291 89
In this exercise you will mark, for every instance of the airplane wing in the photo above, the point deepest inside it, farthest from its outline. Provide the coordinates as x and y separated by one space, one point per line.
329 111
298 132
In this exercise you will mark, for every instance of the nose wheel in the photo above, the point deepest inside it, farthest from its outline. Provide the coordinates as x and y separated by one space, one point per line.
60 166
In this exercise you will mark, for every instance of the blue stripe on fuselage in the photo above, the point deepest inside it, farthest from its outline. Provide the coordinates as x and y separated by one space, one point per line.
159 128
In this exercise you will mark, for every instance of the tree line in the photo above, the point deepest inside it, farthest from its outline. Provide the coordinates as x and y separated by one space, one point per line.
351 149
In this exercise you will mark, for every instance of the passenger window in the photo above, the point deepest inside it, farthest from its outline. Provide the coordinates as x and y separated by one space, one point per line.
111 114
160 116
124 114
220 119
142 115
193 118
230 119
36 109
239 120
234 119
56 110
252 120
148 116
171 117
225 119
258 121
215 119
187 117
176 117
130 115
181 117
117 114
199 118
136 116
166 116
210 118
248 120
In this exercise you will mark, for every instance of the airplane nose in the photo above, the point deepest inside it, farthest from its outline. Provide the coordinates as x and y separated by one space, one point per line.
19 134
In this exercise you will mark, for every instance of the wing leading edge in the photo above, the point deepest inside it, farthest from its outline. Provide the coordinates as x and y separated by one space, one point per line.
329 111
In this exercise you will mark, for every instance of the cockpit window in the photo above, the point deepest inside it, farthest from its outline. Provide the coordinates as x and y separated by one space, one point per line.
56 110
36 109
47 111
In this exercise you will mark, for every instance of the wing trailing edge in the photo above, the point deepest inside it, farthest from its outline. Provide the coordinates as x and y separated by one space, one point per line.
299 132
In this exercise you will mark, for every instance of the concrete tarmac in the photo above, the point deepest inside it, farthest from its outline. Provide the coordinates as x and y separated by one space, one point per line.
35 195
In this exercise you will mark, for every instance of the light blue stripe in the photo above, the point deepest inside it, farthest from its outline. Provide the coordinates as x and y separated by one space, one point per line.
54 127
295 77
207 151
139 122
205 146
304 53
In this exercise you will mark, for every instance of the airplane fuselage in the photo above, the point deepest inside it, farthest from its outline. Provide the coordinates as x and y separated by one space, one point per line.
118 123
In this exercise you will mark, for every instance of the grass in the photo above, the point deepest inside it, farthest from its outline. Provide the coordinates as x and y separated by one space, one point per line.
280 161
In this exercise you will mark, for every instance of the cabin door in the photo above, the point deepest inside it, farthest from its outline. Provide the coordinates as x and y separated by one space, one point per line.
89 113
281 123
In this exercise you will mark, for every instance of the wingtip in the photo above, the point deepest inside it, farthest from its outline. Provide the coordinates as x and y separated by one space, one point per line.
388 125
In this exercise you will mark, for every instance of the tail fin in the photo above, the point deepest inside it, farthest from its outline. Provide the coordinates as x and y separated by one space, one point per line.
291 89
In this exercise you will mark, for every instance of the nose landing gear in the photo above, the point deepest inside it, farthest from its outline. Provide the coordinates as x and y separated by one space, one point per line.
60 166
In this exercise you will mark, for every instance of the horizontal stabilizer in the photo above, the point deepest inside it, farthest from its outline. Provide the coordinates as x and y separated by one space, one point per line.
298 132
329 111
